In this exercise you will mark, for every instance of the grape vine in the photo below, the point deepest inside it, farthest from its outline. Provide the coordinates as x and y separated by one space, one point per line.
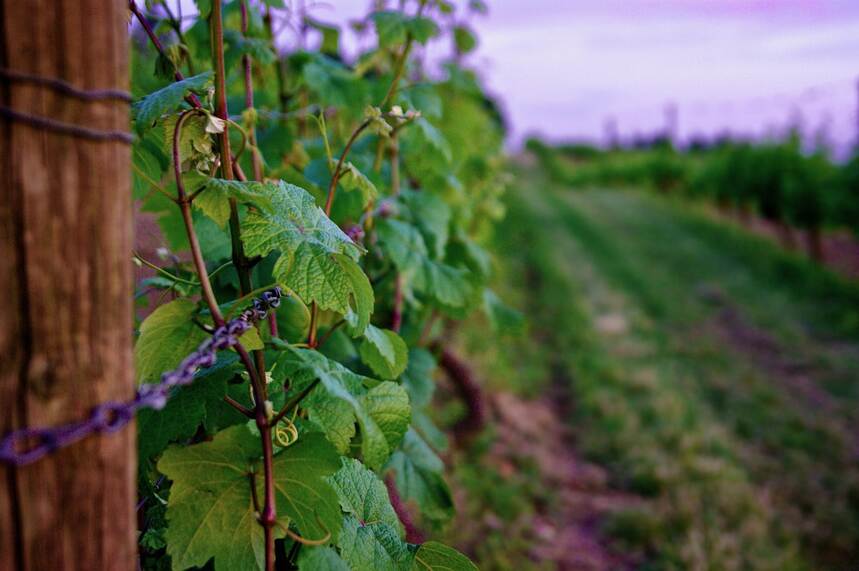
283 450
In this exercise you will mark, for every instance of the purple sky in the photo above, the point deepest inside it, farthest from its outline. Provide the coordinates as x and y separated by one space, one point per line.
561 67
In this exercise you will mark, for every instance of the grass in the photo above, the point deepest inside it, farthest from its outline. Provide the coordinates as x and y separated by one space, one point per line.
713 374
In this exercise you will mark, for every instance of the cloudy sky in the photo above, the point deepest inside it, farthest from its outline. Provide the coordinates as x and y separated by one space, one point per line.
562 67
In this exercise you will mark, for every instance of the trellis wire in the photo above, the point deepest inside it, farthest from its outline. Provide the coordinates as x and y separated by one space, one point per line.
26 445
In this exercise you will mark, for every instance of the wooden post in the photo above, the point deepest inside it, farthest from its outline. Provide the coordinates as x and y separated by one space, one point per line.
65 286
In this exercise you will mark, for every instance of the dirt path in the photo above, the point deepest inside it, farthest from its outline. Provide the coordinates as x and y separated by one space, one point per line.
567 533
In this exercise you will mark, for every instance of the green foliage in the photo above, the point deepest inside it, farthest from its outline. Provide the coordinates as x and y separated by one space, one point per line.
433 555
214 201
149 109
445 285
343 398
317 260
210 509
166 337
352 396
385 352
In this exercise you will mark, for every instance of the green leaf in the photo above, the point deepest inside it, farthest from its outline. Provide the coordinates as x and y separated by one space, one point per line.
342 399
251 340
422 29
464 39
330 36
301 486
390 27
214 201
196 147
418 477
371 539
385 352
363 495
317 259
373 546
388 405
433 138
257 48
403 243
432 216
335 84
463 251
353 179
150 108
186 409
210 510
435 556
167 336
204 7
320 559
417 378
502 318
362 294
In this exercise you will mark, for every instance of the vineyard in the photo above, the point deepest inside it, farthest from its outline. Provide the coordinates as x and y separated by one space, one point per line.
281 297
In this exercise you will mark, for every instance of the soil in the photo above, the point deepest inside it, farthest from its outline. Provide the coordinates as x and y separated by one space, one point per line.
567 533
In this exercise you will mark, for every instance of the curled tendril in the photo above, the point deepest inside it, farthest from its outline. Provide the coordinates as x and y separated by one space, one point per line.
286 433
303 540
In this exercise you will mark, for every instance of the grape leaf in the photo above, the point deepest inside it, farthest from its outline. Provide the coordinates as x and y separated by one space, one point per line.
433 139
432 217
334 83
464 39
404 244
302 491
418 477
320 559
354 179
371 538
257 48
417 379
167 336
317 259
382 412
204 7
385 352
149 109
196 147
435 556
210 510
330 44
186 409
390 27
422 28
214 201
502 318
388 405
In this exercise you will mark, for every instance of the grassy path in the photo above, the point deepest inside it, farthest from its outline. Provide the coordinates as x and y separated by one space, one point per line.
711 374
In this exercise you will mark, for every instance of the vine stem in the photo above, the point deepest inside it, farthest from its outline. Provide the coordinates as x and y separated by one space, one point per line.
185 207
338 170
147 27
329 202
192 98
199 264
268 516
247 64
